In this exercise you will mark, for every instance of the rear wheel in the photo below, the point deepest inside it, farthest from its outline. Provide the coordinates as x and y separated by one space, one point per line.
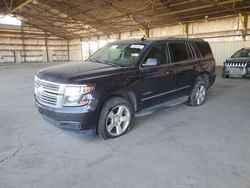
116 118
198 94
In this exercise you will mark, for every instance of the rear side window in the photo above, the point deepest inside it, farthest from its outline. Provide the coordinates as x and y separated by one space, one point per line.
204 49
179 52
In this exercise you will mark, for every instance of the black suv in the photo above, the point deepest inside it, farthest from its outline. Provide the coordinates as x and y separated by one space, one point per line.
122 80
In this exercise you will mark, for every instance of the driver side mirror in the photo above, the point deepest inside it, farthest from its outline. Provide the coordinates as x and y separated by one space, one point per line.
150 62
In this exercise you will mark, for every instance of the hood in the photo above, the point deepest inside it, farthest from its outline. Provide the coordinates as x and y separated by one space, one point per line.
238 60
75 73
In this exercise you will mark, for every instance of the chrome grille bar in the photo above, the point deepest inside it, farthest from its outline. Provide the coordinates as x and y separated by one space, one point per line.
49 93
236 64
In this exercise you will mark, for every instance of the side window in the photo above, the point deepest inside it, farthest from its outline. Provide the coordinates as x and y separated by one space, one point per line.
179 52
204 49
156 53
196 50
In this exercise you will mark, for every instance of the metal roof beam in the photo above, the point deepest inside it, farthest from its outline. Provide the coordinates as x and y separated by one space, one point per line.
195 8
18 7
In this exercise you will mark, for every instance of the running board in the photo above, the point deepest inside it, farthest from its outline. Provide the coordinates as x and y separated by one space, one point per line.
162 106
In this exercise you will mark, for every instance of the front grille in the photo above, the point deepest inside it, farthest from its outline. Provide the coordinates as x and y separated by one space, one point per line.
47 99
248 70
236 64
48 86
48 93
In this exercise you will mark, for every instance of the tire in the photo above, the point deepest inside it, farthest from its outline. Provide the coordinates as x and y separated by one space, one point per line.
116 118
224 75
198 94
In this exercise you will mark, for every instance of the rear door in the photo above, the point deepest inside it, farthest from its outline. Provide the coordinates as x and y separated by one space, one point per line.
186 64
206 57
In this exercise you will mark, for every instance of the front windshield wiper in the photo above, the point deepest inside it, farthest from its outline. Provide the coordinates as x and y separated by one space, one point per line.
104 62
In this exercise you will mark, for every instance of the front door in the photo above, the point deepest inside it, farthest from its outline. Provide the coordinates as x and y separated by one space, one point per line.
156 78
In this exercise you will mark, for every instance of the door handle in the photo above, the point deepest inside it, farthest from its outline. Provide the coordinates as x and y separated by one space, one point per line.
169 72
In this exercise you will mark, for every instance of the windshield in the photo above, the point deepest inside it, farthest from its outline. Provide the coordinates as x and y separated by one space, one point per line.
241 53
118 54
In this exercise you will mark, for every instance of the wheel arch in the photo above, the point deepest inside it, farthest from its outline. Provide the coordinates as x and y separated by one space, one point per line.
129 96
205 77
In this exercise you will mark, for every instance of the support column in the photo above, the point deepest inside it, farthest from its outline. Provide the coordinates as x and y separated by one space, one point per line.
81 49
46 47
147 32
186 30
68 49
98 38
23 46
89 46
243 26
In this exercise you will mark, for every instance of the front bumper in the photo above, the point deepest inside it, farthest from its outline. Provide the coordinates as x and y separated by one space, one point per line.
70 118
232 71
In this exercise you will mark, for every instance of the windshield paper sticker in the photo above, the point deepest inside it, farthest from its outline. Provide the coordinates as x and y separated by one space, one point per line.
138 46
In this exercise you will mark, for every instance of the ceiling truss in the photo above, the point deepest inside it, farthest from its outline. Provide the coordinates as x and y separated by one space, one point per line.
87 18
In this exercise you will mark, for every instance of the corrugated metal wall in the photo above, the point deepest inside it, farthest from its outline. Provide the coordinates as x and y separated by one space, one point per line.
224 36
28 44
223 50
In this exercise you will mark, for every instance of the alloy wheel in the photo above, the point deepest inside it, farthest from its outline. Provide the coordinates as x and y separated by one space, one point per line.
118 120
200 94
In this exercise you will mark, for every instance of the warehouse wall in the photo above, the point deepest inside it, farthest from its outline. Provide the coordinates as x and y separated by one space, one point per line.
27 44
224 36
75 50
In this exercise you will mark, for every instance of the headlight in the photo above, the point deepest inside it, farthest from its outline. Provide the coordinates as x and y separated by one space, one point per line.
76 95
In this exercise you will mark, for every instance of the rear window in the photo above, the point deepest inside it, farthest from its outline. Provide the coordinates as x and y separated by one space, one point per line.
204 49
178 52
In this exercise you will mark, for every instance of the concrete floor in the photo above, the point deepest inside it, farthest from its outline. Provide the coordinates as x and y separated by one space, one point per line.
181 147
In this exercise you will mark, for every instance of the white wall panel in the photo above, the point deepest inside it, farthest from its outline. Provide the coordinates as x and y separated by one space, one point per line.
75 49
227 24
125 35
176 30
224 50
222 34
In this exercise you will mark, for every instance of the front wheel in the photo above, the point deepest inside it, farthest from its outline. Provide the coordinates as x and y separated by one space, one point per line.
223 74
198 94
116 118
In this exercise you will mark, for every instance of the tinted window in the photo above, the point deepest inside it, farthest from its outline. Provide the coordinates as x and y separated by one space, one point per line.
178 51
158 52
204 49
196 50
